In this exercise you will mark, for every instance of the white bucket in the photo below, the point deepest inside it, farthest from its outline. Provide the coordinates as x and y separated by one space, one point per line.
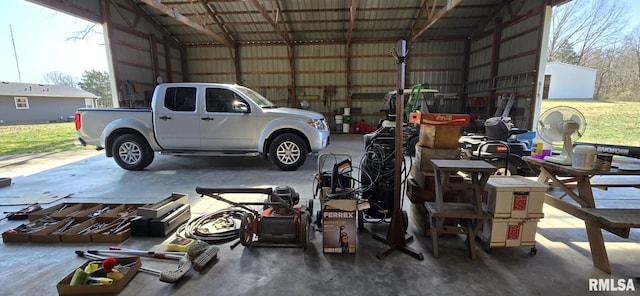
584 157
347 111
338 119
345 128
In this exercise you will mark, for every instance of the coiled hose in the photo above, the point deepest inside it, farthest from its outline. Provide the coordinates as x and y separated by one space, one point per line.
214 228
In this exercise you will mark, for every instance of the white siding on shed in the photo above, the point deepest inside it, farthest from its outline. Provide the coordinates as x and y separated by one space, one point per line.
570 81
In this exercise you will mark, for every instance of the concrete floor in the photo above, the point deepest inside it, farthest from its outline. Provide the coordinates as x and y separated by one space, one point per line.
562 265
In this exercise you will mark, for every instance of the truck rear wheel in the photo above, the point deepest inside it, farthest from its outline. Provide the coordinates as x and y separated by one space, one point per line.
288 152
131 152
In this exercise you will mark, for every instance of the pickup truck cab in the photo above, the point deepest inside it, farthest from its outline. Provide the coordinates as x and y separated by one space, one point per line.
204 119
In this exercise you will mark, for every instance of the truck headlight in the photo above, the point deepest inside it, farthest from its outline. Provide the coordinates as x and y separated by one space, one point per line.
320 124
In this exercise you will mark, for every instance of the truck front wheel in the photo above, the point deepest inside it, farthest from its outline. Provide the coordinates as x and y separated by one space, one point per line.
288 152
131 152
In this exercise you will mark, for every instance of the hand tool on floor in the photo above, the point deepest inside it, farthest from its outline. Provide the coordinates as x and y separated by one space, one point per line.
167 276
200 254
24 213
193 251
138 253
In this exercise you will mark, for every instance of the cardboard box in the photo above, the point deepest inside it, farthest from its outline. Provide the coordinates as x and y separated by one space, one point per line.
48 211
22 233
64 287
120 210
337 213
79 211
105 236
111 238
509 232
46 235
160 208
424 155
513 197
339 230
9 237
72 235
439 136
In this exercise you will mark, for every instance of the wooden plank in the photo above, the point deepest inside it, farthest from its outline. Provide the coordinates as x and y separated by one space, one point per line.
587 215
612 181
463 165
454 210
617 217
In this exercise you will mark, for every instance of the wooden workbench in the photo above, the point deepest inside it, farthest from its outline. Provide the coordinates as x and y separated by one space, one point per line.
577 184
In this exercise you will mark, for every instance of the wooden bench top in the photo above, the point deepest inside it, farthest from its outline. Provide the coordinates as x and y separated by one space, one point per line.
623 218
606 181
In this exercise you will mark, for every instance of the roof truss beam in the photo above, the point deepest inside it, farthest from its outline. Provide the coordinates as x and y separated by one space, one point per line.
274 23
172 12
433 17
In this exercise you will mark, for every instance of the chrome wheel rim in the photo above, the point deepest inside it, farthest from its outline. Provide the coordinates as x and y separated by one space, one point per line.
288 152
129 153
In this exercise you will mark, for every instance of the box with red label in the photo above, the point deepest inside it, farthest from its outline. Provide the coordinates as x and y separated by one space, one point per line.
508 232
440 119
513 197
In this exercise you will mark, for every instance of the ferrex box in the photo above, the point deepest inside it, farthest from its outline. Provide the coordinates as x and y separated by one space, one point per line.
339 231
339 225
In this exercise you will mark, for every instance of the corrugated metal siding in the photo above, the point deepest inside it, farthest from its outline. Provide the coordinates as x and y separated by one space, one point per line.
318 31
437 63
516 67
133 59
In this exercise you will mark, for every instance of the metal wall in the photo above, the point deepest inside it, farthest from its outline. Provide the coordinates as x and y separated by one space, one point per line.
140 53
503 61
501 58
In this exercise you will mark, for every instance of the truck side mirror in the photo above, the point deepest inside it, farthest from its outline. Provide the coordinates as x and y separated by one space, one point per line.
240 107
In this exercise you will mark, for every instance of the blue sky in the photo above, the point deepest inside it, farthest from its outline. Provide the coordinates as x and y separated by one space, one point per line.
40 36
40 39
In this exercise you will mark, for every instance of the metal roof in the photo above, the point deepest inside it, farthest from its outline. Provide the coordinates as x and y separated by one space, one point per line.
42 90
232 22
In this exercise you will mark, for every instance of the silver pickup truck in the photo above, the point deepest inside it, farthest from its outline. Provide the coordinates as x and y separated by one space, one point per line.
204 119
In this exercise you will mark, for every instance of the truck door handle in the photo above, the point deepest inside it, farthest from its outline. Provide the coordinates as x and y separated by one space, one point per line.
207 118
165 117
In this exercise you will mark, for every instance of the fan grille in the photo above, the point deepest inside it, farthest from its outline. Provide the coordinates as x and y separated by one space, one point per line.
554 122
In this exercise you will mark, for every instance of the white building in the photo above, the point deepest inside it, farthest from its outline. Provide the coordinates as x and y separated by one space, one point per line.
566 81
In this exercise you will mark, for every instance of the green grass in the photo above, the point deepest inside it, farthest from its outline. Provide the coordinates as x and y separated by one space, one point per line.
36 138
615 123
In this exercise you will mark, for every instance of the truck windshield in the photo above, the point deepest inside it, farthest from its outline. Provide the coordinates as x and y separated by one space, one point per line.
256 97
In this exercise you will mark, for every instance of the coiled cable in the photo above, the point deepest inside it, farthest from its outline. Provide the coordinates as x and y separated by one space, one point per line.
214 228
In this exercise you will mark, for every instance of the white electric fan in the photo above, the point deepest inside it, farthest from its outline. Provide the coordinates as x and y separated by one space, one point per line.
561 124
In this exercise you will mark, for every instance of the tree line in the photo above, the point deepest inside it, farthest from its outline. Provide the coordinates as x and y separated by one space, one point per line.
93 81
597 34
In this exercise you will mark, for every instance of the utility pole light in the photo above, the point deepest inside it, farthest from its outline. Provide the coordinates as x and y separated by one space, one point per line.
15 53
